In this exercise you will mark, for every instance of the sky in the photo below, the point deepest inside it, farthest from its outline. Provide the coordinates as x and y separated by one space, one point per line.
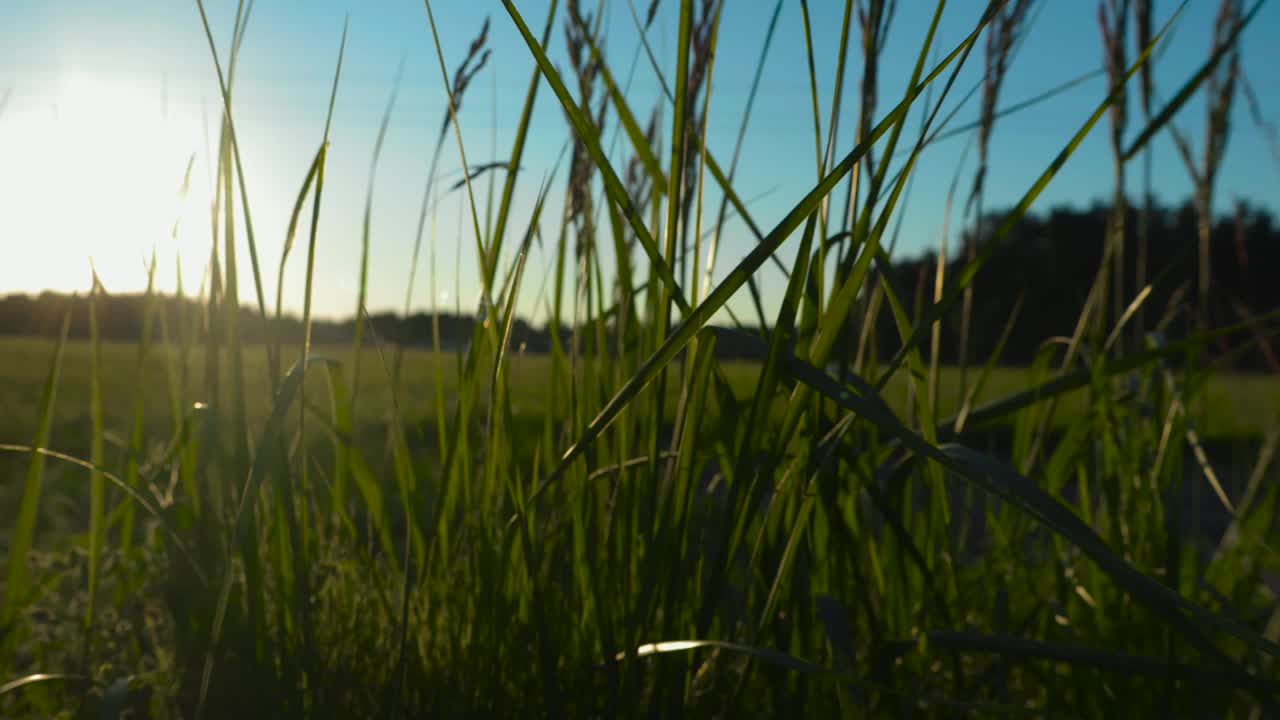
104 105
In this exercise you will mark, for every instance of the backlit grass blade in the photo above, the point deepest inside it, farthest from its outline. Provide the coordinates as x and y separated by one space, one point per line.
702 314
942 133
628 119
41 678
96 489
771 656
691 429
315 217
781 341
675 202
17 587
613 186
365 230
343 451
980 384
517 150
510 310
230 336
1128 313
289 236
296 536
224 86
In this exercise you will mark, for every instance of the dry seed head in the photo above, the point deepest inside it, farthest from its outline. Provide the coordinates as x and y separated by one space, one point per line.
874 18
1142 30
700 40
477 56
637 178
1269 129
1001 33
586 67
1002 30
1221 87
653 12
1113 16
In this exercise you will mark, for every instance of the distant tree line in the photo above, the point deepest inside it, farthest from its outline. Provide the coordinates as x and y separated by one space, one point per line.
1048 262
121 317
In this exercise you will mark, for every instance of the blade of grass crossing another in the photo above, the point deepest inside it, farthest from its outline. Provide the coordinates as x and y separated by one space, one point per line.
1188 89
939 309
736 278
517 150
1016 489
225 86
613 186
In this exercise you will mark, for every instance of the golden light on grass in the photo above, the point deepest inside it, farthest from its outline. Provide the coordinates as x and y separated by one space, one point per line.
98 173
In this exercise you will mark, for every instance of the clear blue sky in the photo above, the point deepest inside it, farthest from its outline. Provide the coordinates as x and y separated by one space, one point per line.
107 101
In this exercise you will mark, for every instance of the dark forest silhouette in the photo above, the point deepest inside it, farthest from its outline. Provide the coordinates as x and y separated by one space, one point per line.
1048 261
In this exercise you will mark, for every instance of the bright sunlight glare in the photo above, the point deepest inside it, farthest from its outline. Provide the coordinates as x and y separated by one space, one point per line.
97 175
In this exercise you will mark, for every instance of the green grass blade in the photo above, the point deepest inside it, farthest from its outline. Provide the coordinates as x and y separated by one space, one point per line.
290 234
17 585
517 149
96 489
981 383
225 86
628 119
365 231
142 383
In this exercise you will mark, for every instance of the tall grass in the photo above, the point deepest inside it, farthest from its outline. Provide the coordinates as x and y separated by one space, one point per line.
655 544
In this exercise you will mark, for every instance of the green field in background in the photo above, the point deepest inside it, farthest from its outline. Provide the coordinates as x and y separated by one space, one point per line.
1240 405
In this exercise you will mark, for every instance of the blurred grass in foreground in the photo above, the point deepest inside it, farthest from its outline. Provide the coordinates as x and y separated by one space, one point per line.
627 526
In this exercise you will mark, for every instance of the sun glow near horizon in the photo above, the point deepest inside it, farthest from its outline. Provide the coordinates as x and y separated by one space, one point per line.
96 174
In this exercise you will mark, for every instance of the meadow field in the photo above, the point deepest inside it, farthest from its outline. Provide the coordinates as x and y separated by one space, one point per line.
197 526
1238 406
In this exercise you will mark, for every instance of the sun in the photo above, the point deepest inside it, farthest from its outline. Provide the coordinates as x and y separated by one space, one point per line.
97 175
